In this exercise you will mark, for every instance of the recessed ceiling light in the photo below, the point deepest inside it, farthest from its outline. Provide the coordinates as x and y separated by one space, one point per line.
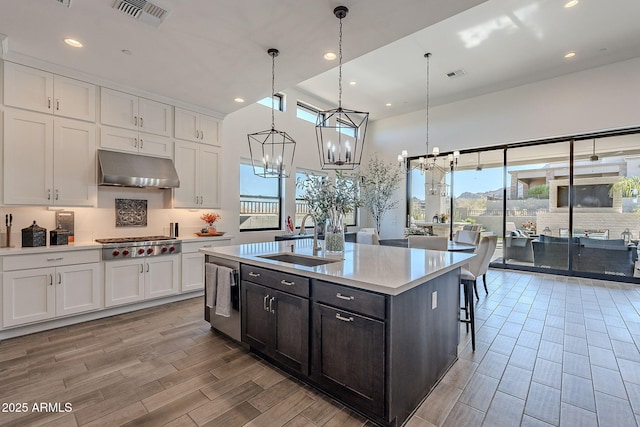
388 104
352 83
72 42
126 51
239 100
330 56
571 3
570 55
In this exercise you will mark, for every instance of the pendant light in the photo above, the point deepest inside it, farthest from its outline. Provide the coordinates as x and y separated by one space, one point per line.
594 156
272 150
340 132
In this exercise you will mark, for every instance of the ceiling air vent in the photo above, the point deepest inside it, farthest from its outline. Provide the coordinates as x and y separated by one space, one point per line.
456 74
142 10
65 2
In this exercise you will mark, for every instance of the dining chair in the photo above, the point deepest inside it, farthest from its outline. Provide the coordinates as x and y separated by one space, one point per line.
438 243
368 236
467 236
479 265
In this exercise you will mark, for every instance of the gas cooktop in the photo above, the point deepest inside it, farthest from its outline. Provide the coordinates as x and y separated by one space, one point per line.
134 247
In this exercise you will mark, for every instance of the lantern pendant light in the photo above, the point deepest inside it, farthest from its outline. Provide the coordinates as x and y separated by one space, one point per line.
272 150
340 132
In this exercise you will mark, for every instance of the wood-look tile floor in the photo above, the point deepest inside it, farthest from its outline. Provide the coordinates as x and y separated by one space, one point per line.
550 351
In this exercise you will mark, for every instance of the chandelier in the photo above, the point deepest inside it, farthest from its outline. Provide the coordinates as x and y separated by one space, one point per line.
340 132
426 163
272 150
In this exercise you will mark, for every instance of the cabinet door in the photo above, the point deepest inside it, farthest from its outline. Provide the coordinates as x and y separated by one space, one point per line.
118 109
192 272
77 288
290 315
209 176
119 139
186 162
28 296
349 357
161 276
154 117
26 87
123 282
28 150
186 125
74 163
74 99
209 130
256 318
155 145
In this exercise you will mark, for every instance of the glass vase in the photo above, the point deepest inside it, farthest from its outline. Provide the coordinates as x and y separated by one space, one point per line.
334 233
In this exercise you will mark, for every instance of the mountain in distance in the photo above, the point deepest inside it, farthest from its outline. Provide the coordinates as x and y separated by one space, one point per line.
490 195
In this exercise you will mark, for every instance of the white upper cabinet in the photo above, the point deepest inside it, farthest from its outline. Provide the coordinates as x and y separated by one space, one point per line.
196 127
135 142
48 161
198 168
37 90
131 112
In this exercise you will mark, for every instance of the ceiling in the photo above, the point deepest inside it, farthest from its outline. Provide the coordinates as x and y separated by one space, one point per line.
209 52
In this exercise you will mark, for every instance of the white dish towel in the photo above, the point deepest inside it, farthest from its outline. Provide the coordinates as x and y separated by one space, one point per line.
226 280
211 281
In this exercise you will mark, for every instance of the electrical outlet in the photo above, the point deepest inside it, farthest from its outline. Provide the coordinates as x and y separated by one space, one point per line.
434 300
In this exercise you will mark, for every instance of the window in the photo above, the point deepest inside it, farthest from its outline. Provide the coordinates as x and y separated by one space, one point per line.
306 112
350 218
260 201
277 102
347 129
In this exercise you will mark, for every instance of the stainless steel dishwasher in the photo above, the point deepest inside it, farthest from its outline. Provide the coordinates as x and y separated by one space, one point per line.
227 325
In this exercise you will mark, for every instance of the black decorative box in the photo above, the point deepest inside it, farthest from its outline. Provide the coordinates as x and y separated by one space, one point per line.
34 235
59 236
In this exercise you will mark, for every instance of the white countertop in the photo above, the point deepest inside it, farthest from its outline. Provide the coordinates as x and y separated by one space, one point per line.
385 269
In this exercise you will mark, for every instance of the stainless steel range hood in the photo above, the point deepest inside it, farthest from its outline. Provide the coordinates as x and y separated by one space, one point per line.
134 170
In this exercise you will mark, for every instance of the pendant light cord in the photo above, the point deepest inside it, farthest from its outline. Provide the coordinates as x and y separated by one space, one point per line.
340 67
428 56
273 90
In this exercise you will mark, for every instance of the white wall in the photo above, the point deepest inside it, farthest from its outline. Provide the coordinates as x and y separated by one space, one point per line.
600 98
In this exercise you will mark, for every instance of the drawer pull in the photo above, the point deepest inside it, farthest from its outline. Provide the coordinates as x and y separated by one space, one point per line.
55 259
345 297
344 319
265 303
284 282
252 274
50 279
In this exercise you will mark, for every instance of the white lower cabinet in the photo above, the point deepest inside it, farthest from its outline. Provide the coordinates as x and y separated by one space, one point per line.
193 262
39 294
139 279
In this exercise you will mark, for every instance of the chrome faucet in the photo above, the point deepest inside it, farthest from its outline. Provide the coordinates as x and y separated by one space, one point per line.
316 248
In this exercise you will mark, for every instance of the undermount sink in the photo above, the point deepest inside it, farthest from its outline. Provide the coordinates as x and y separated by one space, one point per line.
307 261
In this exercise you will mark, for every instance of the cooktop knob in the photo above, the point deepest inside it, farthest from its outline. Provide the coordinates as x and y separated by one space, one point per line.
116 253
164 249
172 248
150 250
140 251
125 252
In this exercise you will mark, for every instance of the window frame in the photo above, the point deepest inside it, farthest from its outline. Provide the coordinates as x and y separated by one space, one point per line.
248 164
278 103
309 109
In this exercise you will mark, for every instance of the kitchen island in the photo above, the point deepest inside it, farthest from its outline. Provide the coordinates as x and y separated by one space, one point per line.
376 327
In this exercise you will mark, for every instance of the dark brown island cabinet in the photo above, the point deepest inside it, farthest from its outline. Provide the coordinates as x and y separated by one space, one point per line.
378 354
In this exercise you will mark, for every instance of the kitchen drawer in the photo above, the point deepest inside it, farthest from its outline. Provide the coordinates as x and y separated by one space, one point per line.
290 283
351 299
50 259
188 247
